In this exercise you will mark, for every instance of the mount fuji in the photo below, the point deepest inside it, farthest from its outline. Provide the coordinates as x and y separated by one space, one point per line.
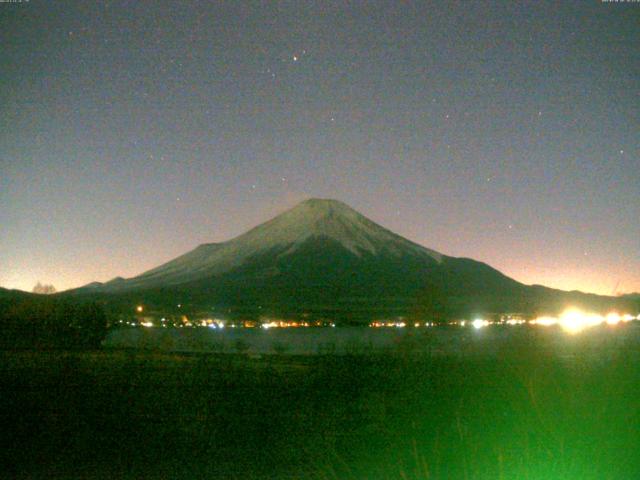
322 258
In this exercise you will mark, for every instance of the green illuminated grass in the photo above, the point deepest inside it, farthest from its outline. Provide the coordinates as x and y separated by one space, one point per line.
526 414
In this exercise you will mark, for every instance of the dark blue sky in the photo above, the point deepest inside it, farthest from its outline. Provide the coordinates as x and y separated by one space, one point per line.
507 132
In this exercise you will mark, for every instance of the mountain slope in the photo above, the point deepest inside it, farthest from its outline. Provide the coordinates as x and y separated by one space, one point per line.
283 236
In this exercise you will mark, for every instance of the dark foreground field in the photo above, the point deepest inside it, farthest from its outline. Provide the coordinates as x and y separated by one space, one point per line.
525 414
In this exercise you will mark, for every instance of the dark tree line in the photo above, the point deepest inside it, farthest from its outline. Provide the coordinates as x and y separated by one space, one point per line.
45 289
50 323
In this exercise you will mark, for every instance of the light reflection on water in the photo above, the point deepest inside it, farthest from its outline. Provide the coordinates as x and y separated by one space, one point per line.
561 335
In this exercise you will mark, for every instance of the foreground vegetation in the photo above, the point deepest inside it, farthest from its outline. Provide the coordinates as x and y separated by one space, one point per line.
524 414
50 322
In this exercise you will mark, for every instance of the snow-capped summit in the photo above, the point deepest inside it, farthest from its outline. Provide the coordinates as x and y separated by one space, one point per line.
331 219
283 235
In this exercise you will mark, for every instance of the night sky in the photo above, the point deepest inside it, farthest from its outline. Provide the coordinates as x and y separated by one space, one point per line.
508 132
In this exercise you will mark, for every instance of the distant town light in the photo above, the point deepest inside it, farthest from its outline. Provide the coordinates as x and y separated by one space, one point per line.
545 321
139 308
515 321
573 320
613 318
479 323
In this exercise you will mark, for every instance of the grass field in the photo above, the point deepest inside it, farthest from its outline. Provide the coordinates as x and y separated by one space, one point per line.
523 414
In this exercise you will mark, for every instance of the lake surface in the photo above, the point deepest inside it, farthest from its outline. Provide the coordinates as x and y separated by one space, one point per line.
433 341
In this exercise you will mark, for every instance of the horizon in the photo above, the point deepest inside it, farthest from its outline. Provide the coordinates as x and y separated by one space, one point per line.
504 133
